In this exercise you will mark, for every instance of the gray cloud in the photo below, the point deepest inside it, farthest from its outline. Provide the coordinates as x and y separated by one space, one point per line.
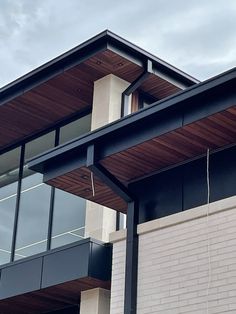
196 36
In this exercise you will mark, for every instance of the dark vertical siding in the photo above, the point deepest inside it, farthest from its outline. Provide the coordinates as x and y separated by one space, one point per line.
185 187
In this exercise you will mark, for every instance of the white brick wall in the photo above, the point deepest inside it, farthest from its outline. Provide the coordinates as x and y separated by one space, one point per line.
174 267
118 278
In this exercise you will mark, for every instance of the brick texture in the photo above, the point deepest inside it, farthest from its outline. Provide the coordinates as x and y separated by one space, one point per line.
185 268
118 278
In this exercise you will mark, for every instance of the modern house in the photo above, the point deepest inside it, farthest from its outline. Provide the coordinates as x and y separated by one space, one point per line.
117 186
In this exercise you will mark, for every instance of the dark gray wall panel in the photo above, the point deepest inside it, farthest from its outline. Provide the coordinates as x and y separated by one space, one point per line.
160 195
223 174
194 184
185 187
65 265
20 278
101 261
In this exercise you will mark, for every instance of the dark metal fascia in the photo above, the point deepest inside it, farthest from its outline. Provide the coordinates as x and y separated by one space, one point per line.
104 40
142 54
61 59
173 103
46 72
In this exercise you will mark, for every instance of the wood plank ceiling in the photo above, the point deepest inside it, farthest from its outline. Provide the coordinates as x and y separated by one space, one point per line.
66 94
50 299
192 140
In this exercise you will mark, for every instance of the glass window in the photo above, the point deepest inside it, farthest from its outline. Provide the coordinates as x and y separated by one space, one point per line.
9 171
145 100
34 208
75 129
122 221
68 218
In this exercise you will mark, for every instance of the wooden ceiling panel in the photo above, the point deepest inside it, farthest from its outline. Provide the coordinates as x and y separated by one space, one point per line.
50 299
147 158
158 87
68 93
78 182
108 62
174 147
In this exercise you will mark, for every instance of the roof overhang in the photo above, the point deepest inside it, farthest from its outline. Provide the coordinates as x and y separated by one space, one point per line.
54 279
168 133
63 88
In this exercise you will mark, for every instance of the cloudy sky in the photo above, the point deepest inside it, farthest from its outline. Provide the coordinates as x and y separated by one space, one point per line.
197 36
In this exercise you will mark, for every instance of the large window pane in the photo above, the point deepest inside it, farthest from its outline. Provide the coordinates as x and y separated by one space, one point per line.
9 171
33 217
34 204
68 219
75 129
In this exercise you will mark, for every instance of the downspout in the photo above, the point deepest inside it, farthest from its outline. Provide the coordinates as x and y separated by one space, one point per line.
133 87
131 265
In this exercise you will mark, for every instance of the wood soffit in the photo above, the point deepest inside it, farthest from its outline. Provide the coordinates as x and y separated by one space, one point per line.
69 93
168 150
52 298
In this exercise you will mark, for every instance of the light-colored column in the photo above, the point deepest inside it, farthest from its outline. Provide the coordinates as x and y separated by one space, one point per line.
107 100
100 221
95 301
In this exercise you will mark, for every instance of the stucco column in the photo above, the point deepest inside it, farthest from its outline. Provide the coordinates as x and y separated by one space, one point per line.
95 301
100 221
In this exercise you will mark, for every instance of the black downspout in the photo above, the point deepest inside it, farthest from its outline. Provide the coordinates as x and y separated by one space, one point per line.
134 85
131 265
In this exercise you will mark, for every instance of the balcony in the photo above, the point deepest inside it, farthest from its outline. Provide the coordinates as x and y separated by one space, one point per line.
54 279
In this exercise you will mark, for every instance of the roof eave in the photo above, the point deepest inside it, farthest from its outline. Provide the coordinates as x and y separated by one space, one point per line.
100 42
165 108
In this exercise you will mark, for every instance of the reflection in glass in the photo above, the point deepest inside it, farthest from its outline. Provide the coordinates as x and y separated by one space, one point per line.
33 217
68 219
75 129
9 163
122 222
34 208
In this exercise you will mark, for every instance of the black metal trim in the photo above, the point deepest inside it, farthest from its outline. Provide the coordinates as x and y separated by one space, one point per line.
142 77
131 265
138 55
57 249
212 100
134 86
143 96
18 195
118 221
102 41
52 199
106 176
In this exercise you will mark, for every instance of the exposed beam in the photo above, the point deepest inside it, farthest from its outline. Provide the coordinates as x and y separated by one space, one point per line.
111 181
131 266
